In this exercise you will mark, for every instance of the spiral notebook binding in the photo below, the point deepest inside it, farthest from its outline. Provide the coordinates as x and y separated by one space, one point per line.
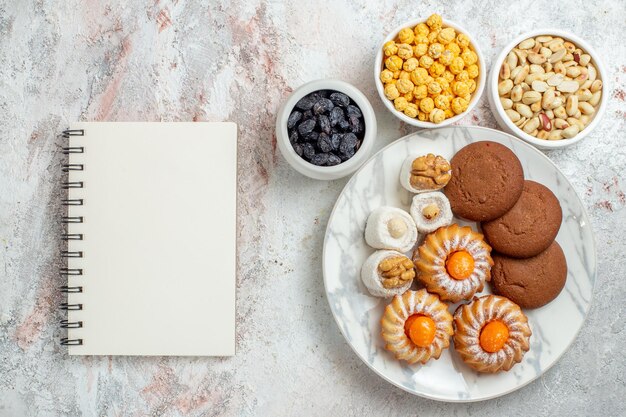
66 289
71 306
71 342
71 168
70 271
72 219
72 201
73 132
73 184
73 149
66 324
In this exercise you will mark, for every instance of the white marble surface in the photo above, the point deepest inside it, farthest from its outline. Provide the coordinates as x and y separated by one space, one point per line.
201 60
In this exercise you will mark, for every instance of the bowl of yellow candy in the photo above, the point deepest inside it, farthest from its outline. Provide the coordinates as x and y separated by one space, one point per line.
429 73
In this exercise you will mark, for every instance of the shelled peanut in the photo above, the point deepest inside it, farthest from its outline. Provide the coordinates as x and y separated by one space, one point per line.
549 88
430 71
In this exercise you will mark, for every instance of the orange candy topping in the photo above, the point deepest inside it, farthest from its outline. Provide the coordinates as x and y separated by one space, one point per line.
460 265
493 336
420 329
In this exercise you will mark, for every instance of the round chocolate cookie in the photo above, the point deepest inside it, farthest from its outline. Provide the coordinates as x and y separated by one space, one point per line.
531 282
487 179
529 227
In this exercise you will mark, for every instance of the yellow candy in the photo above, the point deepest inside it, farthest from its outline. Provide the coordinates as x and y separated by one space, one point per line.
400 103
467 99
422 116
390 48
426 61
443 83
404 75
420 49
394 63
391 92
410 64
454 48
456 66
396 74
432 36
411 110
462 40
460 88
448 113
421 39
462 76
409 96
405 51
420 92
434 21
435 50
446 58
448 76
386 76
421 29
434 88
427 105
406 35
436 116
469 57
404 86
436 69
419 76
442 101
446 36
472 86
472 71
459 105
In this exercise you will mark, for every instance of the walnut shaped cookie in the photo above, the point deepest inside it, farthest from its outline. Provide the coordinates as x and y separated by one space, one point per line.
425 173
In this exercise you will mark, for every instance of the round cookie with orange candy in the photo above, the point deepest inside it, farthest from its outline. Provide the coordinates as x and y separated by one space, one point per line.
416 326
491 333
453 262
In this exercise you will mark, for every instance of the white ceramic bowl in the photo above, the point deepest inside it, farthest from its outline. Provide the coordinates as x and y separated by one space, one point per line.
503 120
323 172
379 66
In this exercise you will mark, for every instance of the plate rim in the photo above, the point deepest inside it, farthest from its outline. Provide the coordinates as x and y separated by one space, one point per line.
585 217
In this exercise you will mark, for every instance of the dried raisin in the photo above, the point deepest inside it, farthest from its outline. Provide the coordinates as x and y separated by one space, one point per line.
324 122
294 118
340 99
354 110
308 151
306 127
320 159
333 160
305 103
323 105
324 143
336 115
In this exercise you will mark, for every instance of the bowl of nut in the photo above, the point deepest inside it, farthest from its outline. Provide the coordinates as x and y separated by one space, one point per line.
429 73
325 129
546 87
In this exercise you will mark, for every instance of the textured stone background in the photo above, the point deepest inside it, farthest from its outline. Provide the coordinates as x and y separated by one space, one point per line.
236 60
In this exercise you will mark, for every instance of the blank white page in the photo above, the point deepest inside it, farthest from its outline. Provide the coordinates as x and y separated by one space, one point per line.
159 225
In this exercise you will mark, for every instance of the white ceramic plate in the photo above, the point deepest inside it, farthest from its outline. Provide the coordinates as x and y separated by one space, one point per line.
357 313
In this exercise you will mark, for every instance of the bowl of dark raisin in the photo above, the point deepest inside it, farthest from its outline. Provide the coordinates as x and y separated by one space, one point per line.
326 129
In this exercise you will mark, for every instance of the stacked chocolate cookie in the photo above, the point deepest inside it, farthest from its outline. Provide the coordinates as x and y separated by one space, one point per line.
520 220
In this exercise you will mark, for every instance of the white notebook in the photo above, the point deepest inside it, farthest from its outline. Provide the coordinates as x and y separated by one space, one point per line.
151 225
